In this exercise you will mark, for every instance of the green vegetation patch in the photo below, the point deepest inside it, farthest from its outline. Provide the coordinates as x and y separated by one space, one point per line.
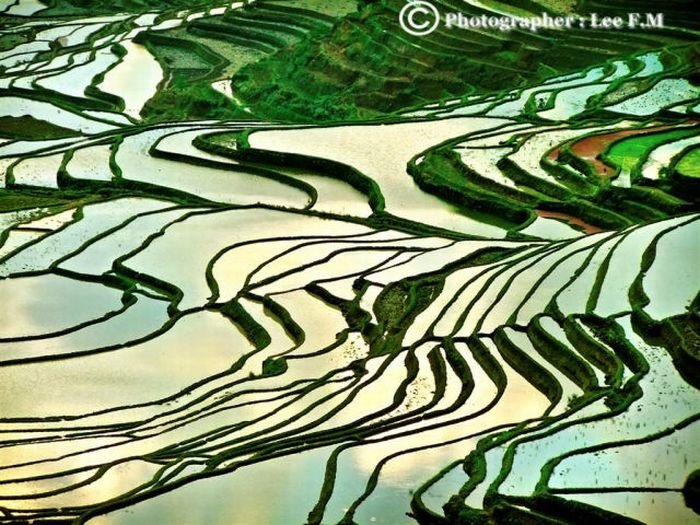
180 57
95 7
252 330
274 366
336 8
368 65
236 56
397 307
10 40
211 48
689 164
13 200
187 93
29 128
629 153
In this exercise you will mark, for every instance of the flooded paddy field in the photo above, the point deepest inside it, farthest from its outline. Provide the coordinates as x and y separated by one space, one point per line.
264 265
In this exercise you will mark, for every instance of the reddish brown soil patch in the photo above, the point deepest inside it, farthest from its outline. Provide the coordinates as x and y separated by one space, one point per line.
590 148
570 219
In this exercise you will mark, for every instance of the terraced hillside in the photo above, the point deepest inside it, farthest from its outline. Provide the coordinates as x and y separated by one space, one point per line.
367 65
273 264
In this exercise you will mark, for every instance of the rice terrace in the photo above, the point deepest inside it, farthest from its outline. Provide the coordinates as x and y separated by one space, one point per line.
349 262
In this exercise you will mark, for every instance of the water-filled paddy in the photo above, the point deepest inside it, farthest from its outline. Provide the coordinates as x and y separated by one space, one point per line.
75 80
97 219
47 308
665 93
135 79
38 171
91 163
347 145
16 107
226 184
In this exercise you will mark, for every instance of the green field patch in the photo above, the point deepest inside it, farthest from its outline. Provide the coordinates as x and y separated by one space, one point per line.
628 154
27 127
90 8
11 40
180 57
689 164
235 56
21 199
336 8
